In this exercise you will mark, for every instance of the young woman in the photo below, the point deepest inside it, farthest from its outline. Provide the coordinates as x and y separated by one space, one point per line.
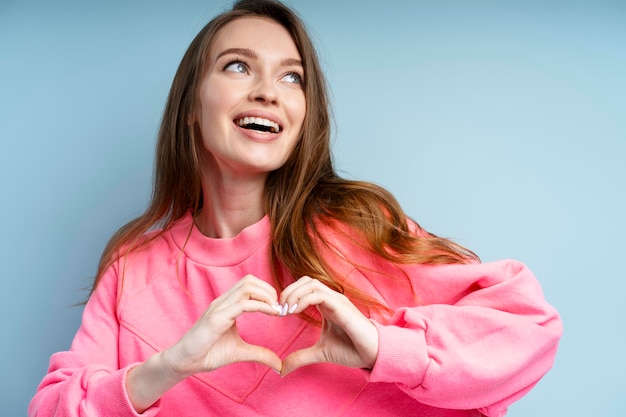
258 282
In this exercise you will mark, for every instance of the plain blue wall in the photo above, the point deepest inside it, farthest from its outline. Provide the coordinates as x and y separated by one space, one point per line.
500 124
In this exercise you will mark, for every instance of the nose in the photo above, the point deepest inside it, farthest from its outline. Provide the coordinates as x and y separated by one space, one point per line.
264 91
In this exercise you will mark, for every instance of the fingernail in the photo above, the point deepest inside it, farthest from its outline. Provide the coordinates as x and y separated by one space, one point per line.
278 308
293 308
284 310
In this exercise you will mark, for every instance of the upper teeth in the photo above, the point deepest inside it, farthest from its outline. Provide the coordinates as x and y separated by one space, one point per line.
259 121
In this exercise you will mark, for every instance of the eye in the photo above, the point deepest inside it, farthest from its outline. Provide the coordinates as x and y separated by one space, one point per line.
236 66
293 77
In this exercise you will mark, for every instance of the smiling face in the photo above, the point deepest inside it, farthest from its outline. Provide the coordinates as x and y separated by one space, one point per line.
251 100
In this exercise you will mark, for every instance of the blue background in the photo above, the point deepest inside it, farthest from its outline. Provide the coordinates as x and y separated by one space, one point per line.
501 124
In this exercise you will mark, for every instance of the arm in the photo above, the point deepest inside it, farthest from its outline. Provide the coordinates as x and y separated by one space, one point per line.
212 342
481 339
86 380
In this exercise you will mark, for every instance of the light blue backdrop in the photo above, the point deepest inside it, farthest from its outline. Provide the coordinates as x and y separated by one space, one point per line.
499 123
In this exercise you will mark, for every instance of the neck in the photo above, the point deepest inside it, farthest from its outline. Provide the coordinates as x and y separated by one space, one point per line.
230 205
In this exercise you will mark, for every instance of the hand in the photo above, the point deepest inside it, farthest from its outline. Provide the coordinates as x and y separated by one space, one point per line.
347 338
213 341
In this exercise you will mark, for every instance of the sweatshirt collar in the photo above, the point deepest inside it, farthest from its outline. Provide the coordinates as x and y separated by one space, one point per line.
220 252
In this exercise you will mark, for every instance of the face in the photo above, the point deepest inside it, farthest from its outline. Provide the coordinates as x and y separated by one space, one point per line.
251 101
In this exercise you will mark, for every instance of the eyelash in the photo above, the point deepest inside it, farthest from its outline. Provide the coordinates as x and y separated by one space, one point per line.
296 74
236 61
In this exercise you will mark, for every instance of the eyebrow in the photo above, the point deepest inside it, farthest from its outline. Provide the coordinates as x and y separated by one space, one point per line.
249 53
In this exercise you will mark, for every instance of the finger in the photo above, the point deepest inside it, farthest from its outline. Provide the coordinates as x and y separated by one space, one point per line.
300 358
329 302
297 296
229 312
254 306
294 287
219 318
251 279
248 287
338 311
255 288
297 305
242 293
259 354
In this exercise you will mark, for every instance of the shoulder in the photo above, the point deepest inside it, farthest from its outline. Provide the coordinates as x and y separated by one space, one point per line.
448 283
160 244
137 264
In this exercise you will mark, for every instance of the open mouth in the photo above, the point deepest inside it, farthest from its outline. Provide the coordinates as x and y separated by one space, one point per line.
259 124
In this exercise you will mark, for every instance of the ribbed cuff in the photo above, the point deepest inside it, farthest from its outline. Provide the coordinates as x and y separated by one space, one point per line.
402 356
110 396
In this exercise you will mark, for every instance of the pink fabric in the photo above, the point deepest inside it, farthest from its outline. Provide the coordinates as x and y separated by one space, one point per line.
474 339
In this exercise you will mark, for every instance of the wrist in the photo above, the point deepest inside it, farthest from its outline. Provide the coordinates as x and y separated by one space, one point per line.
146 383
169 362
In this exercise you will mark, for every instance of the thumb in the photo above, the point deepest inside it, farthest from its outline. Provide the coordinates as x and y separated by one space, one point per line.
299 358
259 354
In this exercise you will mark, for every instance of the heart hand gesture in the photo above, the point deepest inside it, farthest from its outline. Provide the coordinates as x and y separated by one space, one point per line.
214 341
347 338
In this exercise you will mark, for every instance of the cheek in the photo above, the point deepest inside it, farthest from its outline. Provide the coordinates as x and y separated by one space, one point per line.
215 97
206 119
208 104
298 107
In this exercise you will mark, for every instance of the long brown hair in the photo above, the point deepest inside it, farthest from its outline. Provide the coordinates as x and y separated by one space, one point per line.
302 195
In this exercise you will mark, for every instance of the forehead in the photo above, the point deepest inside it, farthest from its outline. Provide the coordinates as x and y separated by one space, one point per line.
259 34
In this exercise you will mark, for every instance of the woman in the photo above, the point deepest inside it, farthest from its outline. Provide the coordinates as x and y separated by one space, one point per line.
255 256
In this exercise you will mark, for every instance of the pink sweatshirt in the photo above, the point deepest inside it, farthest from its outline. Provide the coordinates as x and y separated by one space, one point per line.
474 339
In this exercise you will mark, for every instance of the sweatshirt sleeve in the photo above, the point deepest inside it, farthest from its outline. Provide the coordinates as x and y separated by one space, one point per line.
87 380
482 336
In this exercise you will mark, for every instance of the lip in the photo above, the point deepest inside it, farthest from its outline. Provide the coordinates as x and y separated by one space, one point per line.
261 114
255 135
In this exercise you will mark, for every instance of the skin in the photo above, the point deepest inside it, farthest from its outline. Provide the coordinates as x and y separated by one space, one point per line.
235 164
254 70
